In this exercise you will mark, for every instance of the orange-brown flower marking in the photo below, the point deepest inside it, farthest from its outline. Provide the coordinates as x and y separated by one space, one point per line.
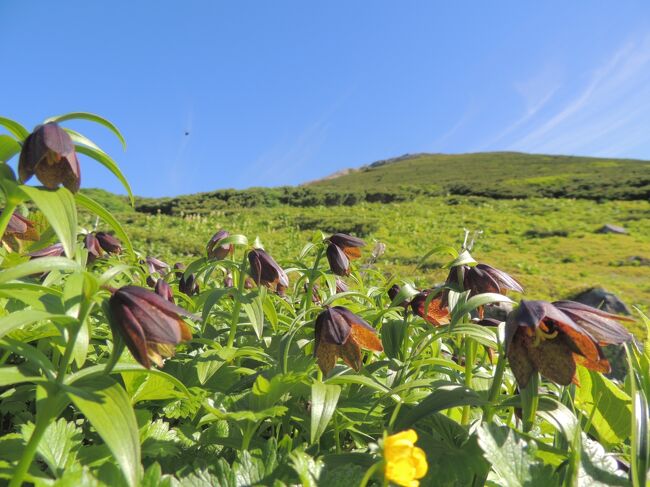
341 333
435 312
150 325
341 249
553 338
405 463
266 271
18 229
49 153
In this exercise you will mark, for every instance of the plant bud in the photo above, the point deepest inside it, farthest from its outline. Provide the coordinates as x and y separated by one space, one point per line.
49 153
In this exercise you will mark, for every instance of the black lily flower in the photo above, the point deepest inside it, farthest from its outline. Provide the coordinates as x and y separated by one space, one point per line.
341 286
55 250
94 248
109 243
164 290
543 337
266 271
341 333
341 249
150 325
49 153
435 313
156 265
216 250
479 279
19 228
339 262
188 285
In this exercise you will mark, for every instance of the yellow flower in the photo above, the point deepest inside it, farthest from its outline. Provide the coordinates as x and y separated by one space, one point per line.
405 462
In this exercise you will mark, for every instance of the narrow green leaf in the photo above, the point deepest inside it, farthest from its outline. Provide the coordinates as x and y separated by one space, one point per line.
10 375
324 398
8 147
59 209
14 128
106 405
474 302
91 117
444 396
106 215
38 266
106 161
28 316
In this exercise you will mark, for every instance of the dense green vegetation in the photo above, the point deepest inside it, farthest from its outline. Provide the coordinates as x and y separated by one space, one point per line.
328 367
500 175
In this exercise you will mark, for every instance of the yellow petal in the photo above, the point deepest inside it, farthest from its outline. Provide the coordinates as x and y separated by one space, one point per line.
401 473
420 460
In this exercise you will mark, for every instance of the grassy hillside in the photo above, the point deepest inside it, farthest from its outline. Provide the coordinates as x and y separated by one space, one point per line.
504 175
549 243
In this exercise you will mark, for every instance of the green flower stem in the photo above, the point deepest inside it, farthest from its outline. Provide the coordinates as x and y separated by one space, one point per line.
307 300
530 401
470 355
5 216
44 419
495 388
369 473
237 306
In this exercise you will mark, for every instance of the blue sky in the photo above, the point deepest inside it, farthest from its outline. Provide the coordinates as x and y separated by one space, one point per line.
282 92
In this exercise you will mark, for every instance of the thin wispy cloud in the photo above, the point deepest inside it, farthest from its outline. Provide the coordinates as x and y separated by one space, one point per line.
614 100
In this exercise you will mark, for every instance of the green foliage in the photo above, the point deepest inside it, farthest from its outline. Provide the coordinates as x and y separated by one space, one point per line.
247 400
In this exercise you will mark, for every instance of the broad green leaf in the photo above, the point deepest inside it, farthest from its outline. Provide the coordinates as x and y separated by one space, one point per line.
28 316
513 460
10 375
59 209
107 162
597 468
58 446
14 128
255 313
38 266
91 117
444 396
106 405
324 398
609 408
8 147
105 215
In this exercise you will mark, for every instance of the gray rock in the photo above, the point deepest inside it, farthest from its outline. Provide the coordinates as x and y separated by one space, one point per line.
612 229
598 297
497 311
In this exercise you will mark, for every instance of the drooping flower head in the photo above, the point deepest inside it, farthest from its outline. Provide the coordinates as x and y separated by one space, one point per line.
265 271
164 290
405 463
94 248
434 312
18 229
54 250
340 333
49 153
216 250
544 337
109 243
150 325
341 249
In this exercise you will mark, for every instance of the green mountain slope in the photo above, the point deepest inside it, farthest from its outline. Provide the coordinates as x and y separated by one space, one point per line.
503 175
